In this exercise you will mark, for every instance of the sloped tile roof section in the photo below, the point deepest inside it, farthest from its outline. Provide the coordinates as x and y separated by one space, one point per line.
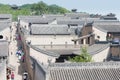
3 48
70 21
49 30
94 49
38 20
77 15
84 71
52 16
107 22
4 25
44 51
21 17
5 16
109 28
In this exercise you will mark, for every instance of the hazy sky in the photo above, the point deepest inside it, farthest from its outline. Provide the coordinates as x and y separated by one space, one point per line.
90 6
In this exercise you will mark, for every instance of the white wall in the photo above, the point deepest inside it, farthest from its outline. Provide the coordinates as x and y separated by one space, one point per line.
46 40
41 57
23 24
100 33
99 57
3 72
6 33
53 22
39 73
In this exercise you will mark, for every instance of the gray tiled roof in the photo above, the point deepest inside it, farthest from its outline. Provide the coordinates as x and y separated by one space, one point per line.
8 16
64 52
75 29
50 29
70 21
94 49
28 17
77 15
44 51
4 25
3 48
38 20
84 71
107 22
109 18
52 15
109 28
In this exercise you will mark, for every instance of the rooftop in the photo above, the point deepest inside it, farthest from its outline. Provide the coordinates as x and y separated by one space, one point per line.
4 25
38 20
50 29
44 51
82 71
108 28
85 71
94 49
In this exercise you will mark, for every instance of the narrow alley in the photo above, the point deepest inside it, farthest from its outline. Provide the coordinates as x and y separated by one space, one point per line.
18 66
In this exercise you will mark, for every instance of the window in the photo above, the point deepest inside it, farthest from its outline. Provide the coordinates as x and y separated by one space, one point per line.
1 37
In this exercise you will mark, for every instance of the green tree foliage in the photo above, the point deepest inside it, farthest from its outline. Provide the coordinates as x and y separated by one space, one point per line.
43 8
40 8
83 57
32 9
54 9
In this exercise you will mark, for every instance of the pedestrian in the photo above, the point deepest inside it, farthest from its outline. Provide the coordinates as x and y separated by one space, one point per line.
8 77
23 58
25 75
12 76
11 53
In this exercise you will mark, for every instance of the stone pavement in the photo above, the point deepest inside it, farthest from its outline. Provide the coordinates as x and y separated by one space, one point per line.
13 59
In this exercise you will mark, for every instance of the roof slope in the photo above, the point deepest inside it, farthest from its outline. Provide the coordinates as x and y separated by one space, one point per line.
70 21
109 28
44 51
6 16
4 25
85 71
82 71
38 20
94 49
50 29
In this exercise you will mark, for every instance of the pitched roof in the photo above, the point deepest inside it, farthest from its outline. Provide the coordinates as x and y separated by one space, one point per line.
106 22
50 29
44 51
21 17
70 21
77 15
94 49
3 48
38 20
6 16
52 15
108 28
4 25
84 71
81 71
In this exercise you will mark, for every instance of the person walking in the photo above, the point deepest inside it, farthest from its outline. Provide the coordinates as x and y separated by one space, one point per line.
25 75
12 76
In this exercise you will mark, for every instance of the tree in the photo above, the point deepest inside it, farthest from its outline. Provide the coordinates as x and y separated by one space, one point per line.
40 7
83 57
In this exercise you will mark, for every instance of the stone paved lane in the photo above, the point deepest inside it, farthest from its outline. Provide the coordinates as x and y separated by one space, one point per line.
13 59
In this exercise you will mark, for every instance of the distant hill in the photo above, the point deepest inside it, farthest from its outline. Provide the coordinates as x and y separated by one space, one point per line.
31 9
